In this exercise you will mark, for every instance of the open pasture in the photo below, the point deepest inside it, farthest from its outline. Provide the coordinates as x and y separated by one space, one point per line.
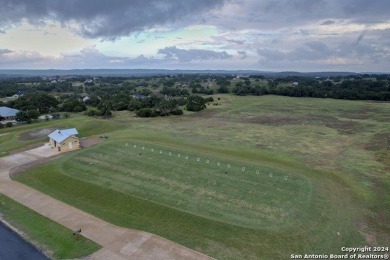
333 153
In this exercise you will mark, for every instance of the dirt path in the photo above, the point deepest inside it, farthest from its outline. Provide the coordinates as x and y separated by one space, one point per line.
117 242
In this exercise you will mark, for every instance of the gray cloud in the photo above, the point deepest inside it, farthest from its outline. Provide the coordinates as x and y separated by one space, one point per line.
5 51
101 18
274 14
184 55
328 22
243 54
236 41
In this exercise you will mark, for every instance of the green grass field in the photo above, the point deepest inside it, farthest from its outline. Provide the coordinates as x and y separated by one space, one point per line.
329 186
56 239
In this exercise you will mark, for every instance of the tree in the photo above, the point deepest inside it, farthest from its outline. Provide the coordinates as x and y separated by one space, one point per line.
22 116
196 103
105 106
223 89
33 114
42 102
73 105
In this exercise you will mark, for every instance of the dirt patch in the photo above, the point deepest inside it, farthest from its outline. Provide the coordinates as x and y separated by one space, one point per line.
35 134
87 142
316 120
26 148
360 114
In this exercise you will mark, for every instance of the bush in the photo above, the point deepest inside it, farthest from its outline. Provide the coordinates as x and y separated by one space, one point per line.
92 112
223 89
145 112
209 99
182 101
9 124
1 125
66 115
177 112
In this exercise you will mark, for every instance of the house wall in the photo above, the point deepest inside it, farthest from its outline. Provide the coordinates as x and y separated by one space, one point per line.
52 143
64 145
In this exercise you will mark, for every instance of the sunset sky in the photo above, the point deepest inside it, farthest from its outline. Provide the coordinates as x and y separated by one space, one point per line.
265 35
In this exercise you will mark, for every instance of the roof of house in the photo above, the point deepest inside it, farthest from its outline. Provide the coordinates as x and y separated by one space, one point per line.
61 135
138 96
7 111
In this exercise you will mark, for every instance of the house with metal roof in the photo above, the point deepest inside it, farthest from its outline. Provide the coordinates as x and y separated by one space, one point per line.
7 113
64 140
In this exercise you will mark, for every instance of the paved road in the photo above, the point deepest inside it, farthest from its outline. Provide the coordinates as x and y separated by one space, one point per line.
117 242
12 246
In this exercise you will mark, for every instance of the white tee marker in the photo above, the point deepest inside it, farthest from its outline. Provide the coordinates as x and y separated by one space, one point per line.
198 159
243 169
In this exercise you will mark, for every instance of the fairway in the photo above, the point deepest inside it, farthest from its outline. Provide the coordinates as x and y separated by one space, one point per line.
202 184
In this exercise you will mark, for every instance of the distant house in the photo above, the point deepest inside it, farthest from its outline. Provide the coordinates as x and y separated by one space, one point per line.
17 95
138 96
8 114
295 83
86 98
64 140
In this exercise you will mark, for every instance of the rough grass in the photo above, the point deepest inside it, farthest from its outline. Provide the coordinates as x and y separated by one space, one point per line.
56 240
333 143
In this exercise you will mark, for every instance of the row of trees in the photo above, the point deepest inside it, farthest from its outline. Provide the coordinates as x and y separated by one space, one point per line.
348 89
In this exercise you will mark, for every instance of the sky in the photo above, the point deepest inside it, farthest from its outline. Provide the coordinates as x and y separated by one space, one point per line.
264 35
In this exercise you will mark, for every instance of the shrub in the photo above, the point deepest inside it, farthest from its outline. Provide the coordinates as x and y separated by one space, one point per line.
145 112
177 112
209 99
9 124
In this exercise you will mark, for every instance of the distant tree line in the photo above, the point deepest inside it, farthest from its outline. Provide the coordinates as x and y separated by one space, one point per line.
356 89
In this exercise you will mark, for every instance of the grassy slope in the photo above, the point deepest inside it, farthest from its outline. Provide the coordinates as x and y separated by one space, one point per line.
57 239
326 140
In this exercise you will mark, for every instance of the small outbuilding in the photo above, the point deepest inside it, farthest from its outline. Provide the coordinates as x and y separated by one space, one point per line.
64 140
7 113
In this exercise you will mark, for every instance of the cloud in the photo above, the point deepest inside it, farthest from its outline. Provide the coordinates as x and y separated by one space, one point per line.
243 54
106 19
277 14
184 55
5 51
328 22
23 59
240 42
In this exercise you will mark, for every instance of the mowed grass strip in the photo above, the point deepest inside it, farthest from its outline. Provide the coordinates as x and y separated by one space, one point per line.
315 227
57 240
228 191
